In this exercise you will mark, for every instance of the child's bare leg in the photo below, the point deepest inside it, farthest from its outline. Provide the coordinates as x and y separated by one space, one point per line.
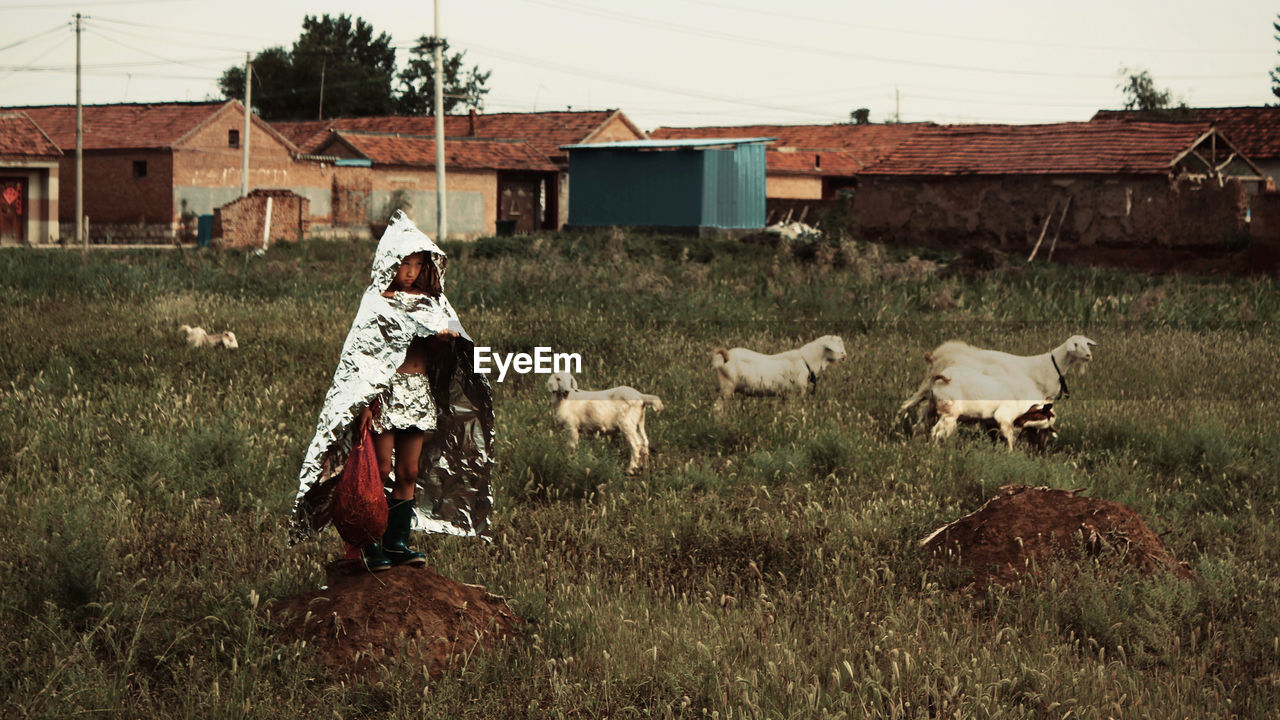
383 444
408 445
400 511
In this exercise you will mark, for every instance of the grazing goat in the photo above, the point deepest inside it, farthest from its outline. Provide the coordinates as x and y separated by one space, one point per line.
752 373
1046 371
605 412
1013 403
197 337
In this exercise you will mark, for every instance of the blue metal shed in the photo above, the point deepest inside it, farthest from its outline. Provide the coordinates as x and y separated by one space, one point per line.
716 183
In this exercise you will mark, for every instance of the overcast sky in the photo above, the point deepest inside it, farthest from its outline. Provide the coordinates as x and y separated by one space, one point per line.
692 62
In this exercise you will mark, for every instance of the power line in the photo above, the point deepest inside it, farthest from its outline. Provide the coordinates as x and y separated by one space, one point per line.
1182 50
101 3
29 38
774 44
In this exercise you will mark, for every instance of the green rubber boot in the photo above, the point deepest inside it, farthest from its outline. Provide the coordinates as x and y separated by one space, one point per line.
399 525
374 558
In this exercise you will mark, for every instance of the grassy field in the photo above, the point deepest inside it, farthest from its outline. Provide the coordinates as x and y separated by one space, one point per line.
764 567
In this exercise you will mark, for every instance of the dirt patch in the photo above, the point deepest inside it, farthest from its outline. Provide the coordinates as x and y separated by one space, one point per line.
361 618
1022 526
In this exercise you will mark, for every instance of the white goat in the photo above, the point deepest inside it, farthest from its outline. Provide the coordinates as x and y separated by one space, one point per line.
197 337
967 393
605 412
752 373
1046 371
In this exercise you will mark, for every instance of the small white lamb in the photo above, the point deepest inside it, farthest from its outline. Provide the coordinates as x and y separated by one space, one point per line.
604 412
751 373
1013 403
197 337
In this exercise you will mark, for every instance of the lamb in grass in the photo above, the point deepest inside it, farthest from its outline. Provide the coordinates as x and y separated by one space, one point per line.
1013 403
751 373
606 412
197 337
1047 371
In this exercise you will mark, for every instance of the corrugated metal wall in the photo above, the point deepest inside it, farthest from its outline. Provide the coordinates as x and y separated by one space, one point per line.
668 188
733 193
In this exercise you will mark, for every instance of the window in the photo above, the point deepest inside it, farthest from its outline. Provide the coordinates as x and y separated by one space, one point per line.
233 138
139 168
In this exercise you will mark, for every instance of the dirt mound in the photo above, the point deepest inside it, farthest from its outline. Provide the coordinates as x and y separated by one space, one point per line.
1022 526
361 618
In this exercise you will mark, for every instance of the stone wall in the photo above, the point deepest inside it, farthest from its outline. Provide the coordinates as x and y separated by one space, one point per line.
1010 212
239 224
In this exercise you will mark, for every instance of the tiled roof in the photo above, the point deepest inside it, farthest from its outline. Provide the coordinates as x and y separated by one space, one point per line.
473 154
20 137
545 131
812 162
133 126
1255 131
1058 149
857 145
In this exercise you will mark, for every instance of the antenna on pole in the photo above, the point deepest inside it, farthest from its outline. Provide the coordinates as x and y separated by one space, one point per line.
244 140
442 225
82 238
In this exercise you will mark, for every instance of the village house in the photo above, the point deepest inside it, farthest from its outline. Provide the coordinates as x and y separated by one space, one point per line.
147 166
28 181
522 195
1117 183
150 170
1255 131
809 162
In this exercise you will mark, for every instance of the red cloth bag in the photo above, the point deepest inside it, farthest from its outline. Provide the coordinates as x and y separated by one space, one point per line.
359 508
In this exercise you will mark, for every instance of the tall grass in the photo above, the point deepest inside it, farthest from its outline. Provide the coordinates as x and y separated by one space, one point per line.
763 567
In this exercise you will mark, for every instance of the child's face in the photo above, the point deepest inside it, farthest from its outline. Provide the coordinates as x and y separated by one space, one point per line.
409 270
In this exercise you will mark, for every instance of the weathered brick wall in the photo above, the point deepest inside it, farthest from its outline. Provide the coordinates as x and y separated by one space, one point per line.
1264 211
793 187
350 203
240 224
112 195
1010 212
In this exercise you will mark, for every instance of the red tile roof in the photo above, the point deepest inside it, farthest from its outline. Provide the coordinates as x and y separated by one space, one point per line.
112 127
857 145
1058 149
812 162
1255 131
20 137
545 131
468 153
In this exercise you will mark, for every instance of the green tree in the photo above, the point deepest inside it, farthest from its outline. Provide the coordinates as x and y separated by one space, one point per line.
337 68
861 116
463 89
1141 94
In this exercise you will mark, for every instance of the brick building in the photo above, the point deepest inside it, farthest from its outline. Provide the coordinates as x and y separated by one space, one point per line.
809 162
28 181
145 165
1255 131
1131 183
517 193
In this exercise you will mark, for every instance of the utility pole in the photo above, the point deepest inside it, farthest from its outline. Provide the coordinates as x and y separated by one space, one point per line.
244 136
897 105
82 238
324 63
442 225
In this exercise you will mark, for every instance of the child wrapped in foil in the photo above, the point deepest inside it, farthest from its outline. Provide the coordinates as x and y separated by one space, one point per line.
406 373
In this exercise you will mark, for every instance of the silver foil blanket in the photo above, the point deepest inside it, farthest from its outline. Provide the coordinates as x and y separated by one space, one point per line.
452 486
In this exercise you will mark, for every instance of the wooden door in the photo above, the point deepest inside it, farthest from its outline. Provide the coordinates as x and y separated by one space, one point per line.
518 200
13 209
